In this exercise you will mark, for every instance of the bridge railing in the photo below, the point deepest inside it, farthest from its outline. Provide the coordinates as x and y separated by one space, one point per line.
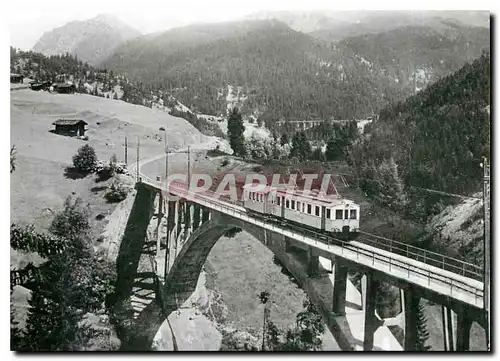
368 253
428 257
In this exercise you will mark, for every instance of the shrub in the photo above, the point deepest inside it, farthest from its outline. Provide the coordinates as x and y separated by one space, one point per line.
85 160
116 193
72 221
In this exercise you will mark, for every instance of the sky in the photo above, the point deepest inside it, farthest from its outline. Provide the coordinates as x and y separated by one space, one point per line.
28 25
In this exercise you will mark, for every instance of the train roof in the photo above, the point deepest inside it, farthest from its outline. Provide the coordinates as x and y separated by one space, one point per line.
313 196
316 197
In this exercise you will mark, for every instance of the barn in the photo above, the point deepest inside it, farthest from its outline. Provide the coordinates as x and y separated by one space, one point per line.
16 78
64 88
41 86
71 127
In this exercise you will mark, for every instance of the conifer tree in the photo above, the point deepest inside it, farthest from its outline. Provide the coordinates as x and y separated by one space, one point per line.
422 332
235 129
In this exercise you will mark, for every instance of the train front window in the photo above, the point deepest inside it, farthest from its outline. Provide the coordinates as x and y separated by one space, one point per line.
338 214
328 213
293 204
346 214
353 214
317 211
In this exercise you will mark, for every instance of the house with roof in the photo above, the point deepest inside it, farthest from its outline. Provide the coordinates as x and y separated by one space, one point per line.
64 88
71 127
16 78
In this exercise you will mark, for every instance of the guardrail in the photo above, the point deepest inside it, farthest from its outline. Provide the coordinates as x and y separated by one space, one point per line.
428 257
440 280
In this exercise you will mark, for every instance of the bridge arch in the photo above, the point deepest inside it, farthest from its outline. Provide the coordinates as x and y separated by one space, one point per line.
184 273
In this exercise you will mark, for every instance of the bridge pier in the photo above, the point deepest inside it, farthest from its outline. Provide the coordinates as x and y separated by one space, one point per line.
448 328
187 218
288 244
464 324
339 287
170 228
371 321
313 265
159 219
196 217
411 301
133 241
205 215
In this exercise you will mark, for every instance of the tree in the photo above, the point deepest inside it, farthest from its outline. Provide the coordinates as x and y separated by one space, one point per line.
85 160
71 284
52 322
318 154
13 158
73 220
284 139
301 148
306 335
235 129
15 333
264 299
422 332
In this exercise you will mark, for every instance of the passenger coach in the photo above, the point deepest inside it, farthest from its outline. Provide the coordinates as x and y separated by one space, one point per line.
328 213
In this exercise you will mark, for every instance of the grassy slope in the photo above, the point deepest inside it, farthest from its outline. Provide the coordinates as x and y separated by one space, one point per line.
39 187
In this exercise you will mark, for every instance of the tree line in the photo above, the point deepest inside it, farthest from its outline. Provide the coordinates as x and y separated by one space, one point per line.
339 138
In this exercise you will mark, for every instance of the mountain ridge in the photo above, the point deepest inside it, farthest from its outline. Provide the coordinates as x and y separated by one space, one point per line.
285 73
92 40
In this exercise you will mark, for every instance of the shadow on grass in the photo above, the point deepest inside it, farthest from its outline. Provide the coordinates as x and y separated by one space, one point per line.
73 173
104 175
98 189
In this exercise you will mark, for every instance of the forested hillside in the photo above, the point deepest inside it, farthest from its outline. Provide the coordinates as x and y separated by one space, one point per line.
285 73
435 139
415 56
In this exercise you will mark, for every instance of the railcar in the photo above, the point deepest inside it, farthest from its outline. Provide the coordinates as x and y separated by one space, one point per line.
326 213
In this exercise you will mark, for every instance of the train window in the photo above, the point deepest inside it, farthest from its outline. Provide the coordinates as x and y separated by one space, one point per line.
261 197
353 214
287 205
293 204
346 214
278 200
317 211
328 213
338 214
303 207
298 206
309 209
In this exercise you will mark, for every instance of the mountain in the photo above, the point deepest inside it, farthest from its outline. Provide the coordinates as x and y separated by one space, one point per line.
303 21
415 56
374 22
337 25
433 140
279 72
91 40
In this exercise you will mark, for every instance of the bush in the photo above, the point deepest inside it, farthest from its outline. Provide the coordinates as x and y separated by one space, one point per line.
116 193
85 160
72 221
